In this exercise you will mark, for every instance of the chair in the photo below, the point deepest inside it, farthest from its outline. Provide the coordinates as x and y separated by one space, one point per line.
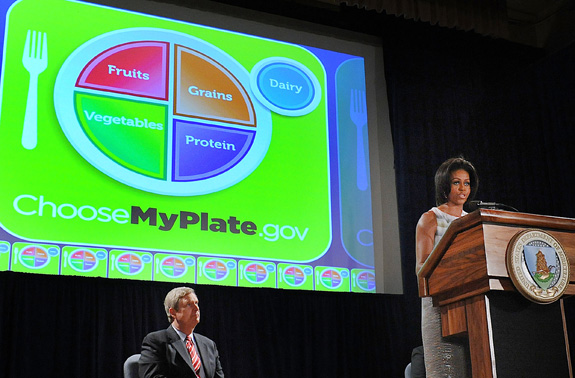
408 371
131 366
416 368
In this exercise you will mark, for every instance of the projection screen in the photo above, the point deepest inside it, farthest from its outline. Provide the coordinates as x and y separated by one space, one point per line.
148 141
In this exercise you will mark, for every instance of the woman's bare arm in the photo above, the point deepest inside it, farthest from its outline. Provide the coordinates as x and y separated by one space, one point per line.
424 238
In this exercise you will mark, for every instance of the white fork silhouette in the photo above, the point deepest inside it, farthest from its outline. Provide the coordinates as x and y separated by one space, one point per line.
358 115
35 60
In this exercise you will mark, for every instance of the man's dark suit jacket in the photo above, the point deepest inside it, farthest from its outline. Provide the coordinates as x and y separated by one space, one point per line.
164 355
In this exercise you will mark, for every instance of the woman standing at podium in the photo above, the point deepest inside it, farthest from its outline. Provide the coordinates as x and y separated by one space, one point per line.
456 182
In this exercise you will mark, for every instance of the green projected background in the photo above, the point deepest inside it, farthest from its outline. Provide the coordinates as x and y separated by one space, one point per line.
139 147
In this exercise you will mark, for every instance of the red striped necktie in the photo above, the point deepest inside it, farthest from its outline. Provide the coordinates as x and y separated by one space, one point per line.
195 356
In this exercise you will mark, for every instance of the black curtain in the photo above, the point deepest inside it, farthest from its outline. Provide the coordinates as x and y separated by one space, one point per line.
57 326
448 93
507 108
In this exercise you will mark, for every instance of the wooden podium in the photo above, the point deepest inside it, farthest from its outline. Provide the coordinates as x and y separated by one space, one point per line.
466 275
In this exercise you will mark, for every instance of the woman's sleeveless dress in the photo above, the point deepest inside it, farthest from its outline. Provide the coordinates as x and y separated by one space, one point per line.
443 357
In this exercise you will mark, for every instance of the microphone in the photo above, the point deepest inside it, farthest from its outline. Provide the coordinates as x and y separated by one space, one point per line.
474 205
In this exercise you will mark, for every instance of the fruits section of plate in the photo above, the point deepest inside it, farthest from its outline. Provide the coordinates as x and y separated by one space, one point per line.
161 111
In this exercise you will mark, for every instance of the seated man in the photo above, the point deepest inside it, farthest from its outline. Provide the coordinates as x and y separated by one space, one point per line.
177 352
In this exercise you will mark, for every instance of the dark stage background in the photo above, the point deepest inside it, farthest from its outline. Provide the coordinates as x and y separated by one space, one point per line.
508 108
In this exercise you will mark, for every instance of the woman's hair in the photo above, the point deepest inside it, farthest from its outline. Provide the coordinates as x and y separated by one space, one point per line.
443 178
173 299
